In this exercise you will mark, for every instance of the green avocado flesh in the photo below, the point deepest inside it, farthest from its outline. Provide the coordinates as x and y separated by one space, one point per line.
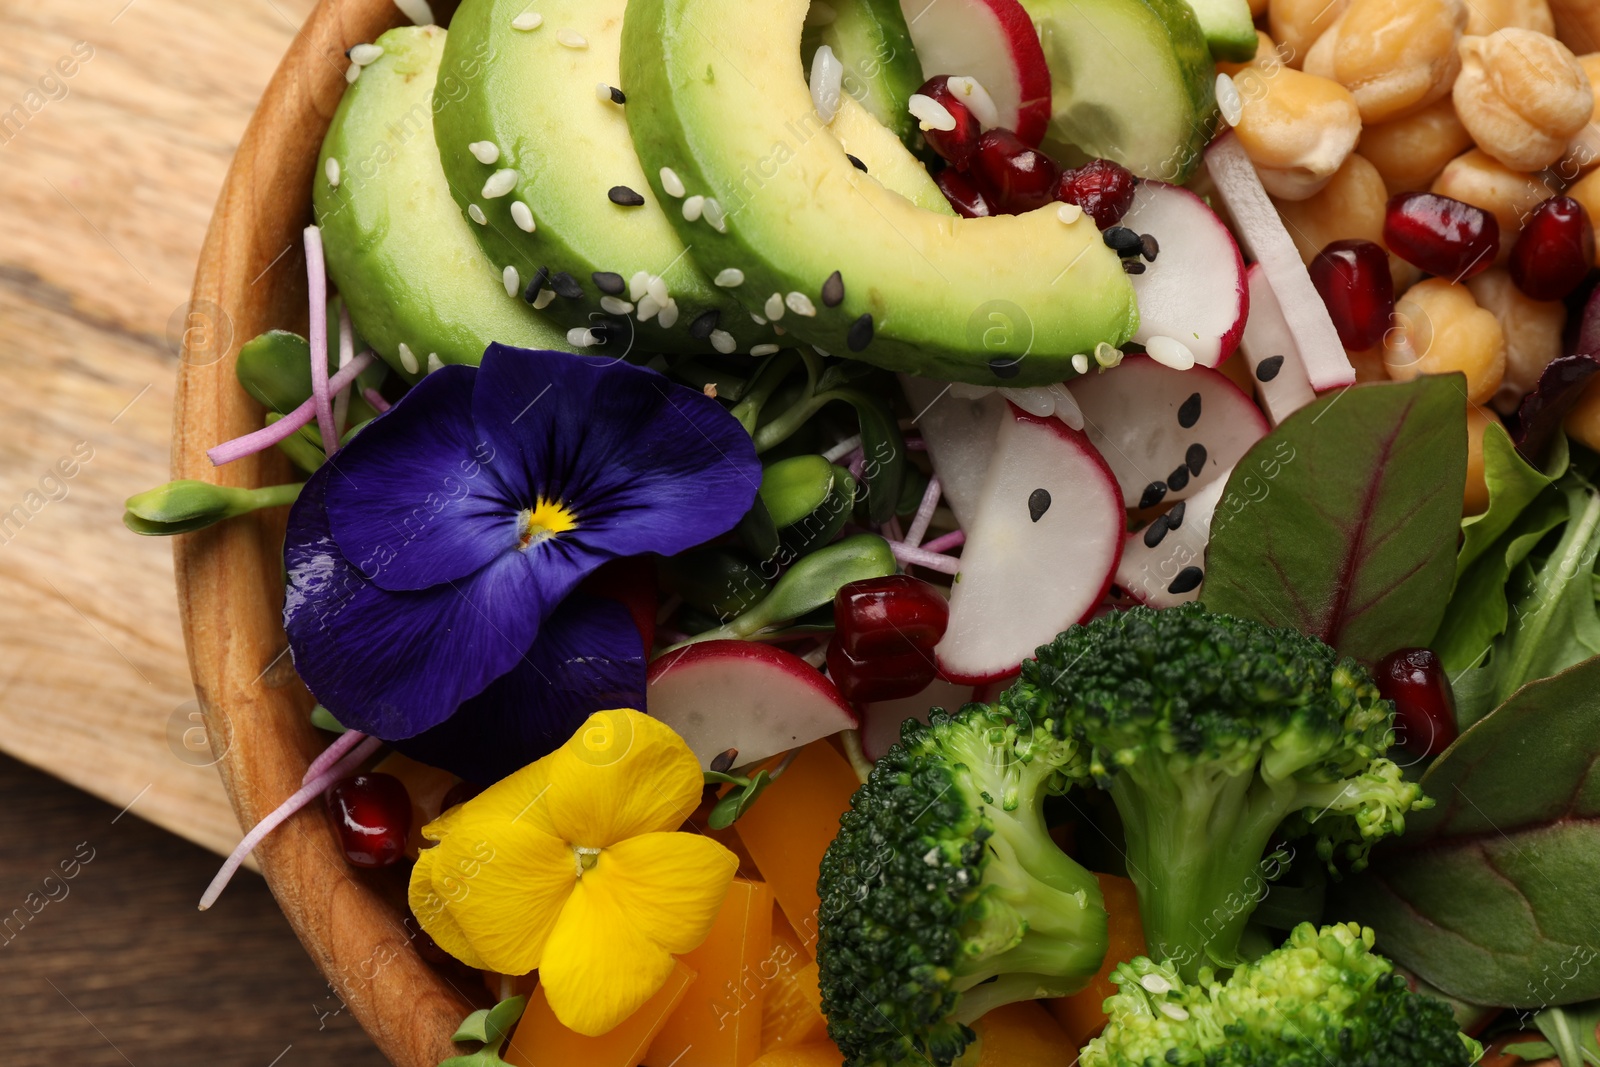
1131 81
885 158
880 67
534 99
716 92
397 247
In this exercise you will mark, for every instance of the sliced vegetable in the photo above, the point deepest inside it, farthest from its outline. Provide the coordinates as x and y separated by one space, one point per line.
542 1041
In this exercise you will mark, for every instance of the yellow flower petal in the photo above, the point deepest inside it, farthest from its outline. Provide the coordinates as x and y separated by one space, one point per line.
668 886
433 912
598 968
622 774
516 798
504 883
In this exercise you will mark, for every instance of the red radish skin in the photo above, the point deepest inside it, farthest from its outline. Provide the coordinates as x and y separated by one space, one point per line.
1444 237
994 42
1353 278
960 145
1271 352
1555 251
745 695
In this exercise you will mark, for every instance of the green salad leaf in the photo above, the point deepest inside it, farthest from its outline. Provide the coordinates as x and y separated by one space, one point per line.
1571 1033
1490 895
1342 522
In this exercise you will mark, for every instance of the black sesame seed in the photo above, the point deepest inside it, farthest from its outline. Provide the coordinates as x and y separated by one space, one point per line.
617 95
1149 247
1178 479
1189 411
1187 581
1132 266
1195 458
622 196
722 761
1153 494
1038 504
609 282
1155 532
860 335
704 324
833 290
856 163
1121 240
1174 517
540 279
567 286
1268 368
1004 367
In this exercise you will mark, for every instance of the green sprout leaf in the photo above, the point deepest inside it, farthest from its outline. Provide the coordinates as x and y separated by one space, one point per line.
728 810
187 505
491 1026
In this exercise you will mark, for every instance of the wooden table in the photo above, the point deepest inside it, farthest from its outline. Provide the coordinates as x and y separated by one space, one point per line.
117 122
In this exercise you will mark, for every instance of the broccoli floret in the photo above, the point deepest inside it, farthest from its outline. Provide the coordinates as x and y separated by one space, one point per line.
1216 736
943 895
1322 1000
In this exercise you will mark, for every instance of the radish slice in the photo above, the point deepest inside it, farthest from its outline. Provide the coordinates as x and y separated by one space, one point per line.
1274 358
881 722
960 435
760 700
1170 571
1259 227
993 42
1040 551
1194 291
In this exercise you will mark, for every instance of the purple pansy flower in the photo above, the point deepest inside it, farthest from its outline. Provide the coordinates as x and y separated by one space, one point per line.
431 559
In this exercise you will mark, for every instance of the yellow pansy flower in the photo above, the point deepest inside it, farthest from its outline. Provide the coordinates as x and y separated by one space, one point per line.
572 865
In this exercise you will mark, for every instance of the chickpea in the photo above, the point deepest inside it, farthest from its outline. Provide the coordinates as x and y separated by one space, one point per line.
1523 96
1486 16
1396 56
1296 128
1296 24
1439 328
1350 206
1583 153
1410 152
1577 24
1532 331
1475 498
1259 8
1583 421
1478 179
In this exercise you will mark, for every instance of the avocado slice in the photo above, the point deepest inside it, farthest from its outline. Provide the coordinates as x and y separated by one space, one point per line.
716 93
530 102
880 66
885 157
396 245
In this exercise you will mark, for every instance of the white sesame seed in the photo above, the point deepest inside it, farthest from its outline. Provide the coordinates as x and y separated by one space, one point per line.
408 358
763 350
475 213
572 39
757 319
827 83
723 341
1228 100
657 287
434 362
1155 983
692 208
363 54
513 282
544 298
528 20
500 183
929 113
352 72
669 314
485 152
649 307
1169 352
522 216
602 92
728 277
801 304
1174 1011
418 11
1080 363
821 352
331 169
671 183
1069 213
715 216
615 305
578 337
774 307
639 284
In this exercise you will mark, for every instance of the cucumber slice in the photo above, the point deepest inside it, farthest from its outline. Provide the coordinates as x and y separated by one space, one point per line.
1229 29
1132 81
880 66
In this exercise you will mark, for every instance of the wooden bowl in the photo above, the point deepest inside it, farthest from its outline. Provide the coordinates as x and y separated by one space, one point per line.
251 278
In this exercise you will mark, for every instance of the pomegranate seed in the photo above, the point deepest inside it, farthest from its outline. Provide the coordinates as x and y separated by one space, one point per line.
1553 254
1424 707
1442 236
879 677
964 194
960 144
1019 178
372 813
888 616
1353 278
1102 188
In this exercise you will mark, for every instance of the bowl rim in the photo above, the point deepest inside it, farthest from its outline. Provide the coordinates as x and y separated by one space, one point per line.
355 926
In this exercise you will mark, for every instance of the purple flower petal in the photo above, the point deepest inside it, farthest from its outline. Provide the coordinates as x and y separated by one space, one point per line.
392 663
587 658
645 464
410 502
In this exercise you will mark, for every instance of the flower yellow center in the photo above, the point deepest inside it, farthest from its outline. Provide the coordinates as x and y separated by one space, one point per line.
544 520
585 858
